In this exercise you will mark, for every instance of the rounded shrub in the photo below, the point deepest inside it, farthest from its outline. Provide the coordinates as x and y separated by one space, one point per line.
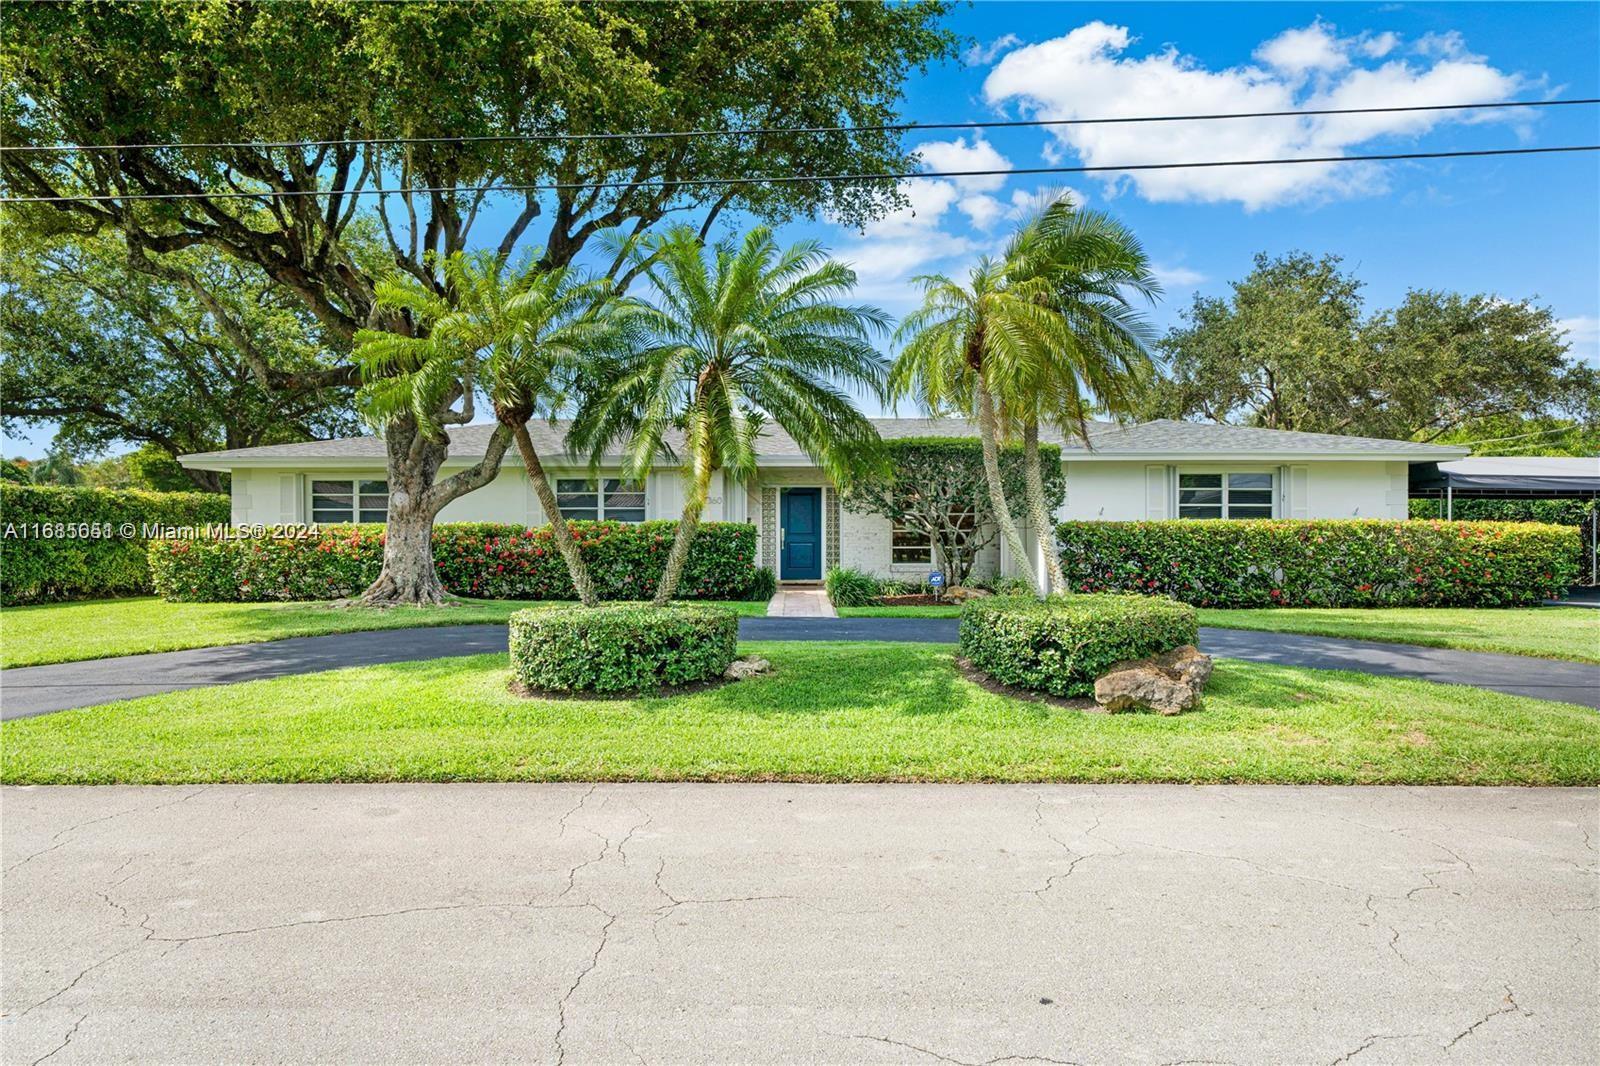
621 648
1062 644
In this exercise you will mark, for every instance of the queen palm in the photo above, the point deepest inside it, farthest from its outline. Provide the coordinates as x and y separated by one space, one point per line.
736 335
523 337
948 349
1042 334
1087 352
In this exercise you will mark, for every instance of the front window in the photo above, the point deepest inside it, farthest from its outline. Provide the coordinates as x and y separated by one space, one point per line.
1225 495
613 498
910 545
335 500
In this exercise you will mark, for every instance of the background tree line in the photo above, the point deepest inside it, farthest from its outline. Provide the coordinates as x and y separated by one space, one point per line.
1292 347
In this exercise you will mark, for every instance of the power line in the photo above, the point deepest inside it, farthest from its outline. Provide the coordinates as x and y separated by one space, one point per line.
792 179
759 131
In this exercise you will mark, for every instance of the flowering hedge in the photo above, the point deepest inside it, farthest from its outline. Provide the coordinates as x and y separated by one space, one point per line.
73 544
489 561
1323 563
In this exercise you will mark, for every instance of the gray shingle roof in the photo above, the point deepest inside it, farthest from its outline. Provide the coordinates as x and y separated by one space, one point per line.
1161 438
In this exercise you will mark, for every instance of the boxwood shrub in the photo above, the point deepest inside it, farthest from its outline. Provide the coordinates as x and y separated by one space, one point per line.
484 560
621 648
102 551
1062 644
1323 563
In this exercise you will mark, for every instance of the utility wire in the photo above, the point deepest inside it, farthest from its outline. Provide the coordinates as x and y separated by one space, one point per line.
898 127
789 179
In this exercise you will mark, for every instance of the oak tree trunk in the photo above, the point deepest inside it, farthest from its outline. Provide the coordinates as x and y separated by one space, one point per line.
1044 526
997 492
416 497
577 569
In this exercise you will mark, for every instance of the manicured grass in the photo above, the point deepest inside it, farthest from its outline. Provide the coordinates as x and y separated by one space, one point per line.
1547 632
832 712
99 629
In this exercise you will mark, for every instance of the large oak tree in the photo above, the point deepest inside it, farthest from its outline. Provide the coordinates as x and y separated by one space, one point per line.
516 78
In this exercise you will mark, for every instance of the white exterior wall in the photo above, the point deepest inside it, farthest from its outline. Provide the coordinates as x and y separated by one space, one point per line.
1096 491
1136 491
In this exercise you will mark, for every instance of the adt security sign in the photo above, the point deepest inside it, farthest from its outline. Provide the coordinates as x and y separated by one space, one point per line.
936 579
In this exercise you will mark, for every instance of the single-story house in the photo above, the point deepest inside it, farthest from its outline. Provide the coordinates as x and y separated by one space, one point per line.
1150 470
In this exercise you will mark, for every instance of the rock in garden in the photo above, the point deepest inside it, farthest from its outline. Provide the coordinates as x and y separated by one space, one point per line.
1168 683
749 666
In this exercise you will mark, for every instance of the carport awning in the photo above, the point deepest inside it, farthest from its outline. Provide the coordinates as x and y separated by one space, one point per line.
1508 476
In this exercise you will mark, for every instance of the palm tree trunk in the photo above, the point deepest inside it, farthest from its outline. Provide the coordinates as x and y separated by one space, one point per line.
688 525
576 568
1044 527
997 492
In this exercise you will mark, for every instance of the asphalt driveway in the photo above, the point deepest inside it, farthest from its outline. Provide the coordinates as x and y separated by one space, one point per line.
32 690
793 923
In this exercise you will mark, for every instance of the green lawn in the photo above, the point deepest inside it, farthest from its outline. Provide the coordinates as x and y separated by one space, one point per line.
98 629
1545 632
832 712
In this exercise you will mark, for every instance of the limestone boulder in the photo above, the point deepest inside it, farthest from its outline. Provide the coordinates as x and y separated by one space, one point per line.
748 667
1169 683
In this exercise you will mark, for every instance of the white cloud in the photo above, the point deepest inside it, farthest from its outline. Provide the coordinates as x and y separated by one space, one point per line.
1088 73
1176 277
1299 52
1378 45
906 242
981 55
959 155
981 209
1583 336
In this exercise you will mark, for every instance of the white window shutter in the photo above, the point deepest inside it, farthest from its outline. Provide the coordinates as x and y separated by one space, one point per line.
1299 492
1156 492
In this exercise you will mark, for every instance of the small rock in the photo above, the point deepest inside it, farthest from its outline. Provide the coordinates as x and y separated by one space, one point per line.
749 666
1168 683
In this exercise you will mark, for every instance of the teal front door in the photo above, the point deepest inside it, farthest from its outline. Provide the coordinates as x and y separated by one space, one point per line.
800 518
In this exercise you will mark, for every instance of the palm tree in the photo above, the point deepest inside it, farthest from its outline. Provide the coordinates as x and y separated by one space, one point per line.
737 335
1087 352
948 348
523 337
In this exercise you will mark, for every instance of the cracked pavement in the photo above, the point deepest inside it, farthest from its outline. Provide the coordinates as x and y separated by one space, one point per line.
641 923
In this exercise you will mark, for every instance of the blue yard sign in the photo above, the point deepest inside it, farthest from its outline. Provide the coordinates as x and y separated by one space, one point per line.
936 579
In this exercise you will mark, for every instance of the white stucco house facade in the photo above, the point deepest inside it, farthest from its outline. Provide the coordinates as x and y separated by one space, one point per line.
1152 470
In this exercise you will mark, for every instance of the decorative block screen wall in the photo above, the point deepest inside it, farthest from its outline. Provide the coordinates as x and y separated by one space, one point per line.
769 528
831 528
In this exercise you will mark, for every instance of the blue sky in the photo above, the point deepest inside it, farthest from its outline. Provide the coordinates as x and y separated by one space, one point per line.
1517 227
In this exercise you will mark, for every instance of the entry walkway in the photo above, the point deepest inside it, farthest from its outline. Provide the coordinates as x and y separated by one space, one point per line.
811 602
41 689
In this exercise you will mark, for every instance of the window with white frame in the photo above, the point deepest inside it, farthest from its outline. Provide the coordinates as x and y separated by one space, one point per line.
613 498
910 545
1225 495
349 500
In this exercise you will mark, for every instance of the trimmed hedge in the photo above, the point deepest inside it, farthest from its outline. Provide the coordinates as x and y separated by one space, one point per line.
1323 563
94 556
1062 644
484 560
624 648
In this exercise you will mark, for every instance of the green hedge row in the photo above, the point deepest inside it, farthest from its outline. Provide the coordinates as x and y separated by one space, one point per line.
483 560
73 544
1323 563
1062 644
624 648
